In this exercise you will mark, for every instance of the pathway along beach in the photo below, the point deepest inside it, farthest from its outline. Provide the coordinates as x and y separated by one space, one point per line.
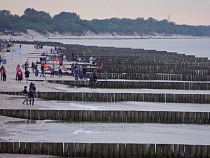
153 104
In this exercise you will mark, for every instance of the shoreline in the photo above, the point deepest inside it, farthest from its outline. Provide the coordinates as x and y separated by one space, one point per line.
35 36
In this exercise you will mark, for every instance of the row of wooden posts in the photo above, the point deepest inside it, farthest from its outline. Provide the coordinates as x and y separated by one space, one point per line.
128 52
137 84
106 150
120 97
94 116
155 76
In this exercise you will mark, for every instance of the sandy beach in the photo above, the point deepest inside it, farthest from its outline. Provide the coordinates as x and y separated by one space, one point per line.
45 131
15 102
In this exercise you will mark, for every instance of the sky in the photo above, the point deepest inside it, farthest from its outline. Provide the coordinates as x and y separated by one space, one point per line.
190 12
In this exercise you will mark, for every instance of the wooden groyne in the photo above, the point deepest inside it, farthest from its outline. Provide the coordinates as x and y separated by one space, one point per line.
117 116
137 84
106 150
120 97
155 76
144 64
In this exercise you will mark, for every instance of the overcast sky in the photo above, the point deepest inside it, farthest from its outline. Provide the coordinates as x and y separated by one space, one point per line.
191 12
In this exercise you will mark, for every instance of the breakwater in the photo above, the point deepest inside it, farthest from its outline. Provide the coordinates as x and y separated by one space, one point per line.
146 62
120 97
106 150
140 84
100 116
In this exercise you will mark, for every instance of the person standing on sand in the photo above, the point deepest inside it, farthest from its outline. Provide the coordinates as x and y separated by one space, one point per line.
52 71
32 66
60 72
4 74
33 88
1 72
25 93
17 69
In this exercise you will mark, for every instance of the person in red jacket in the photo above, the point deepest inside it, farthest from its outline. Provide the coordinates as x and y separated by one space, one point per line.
20 75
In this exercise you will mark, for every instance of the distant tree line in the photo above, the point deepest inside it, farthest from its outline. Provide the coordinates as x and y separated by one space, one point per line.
67 22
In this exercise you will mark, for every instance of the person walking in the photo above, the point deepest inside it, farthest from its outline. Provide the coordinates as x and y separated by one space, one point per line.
76 74
27 75
60 72
31 97
36 70
42 70
25 93
52 71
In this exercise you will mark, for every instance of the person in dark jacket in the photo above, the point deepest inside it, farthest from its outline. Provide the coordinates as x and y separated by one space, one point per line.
42 70
31 96
32 86
25 93
27 75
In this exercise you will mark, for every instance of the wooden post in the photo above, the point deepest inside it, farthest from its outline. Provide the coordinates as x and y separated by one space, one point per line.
152 150
71 149
66 150
28 147
116 150
189 151
122 151
88 151
146 150
38 147
134 149
159 152
45 149
82 149
22 148
77 150
3 147
99 150
128 150
205 151
105 148
33 148
111 150
16 148
94 150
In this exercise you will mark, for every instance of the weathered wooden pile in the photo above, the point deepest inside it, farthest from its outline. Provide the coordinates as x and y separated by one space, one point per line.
136 69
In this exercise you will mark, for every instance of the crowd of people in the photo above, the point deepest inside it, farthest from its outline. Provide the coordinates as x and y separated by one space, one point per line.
39 68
